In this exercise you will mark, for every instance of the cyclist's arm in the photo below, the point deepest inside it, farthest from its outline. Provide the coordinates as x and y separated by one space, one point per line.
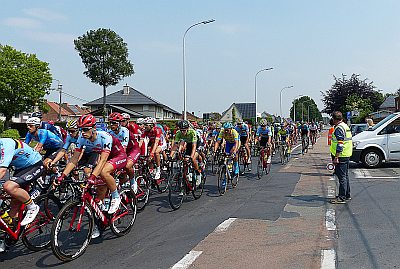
193 149
72 162
155 145
42 134
59 156
100 165
3 171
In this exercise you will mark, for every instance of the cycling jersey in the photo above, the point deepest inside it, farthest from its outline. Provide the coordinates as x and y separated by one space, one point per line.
70 140
190 137
200 137
242 131
215 133
104 142
230 137
153 134
304 129
47 126
283 134
313 127
134 130
263 132
17 154
45 137
122 135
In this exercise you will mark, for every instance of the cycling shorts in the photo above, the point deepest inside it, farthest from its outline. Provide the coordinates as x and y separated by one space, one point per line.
28 175
133 155
263 141
88 160
228 147
243 140
119 161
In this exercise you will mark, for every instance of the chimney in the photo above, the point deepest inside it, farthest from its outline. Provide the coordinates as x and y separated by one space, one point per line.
125 90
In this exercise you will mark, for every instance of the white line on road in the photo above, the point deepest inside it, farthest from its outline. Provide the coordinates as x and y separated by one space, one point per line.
330 221
224 225
328 259
186 261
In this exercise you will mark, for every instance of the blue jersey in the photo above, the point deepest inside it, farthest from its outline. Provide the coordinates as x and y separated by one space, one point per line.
17 154
104 142
123 135
162 129
47 138
242 130
70 140
47 126
263 133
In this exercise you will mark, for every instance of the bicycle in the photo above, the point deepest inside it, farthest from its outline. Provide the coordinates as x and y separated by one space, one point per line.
225 173
36 235
243 160
264 162
77 219
313 139
283 152
304 144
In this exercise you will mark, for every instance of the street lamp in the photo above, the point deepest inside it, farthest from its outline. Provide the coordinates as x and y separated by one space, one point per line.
294 107
184 64
280 99
255 89
59 89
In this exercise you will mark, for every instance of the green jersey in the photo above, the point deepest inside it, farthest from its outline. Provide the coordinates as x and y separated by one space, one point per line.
189 137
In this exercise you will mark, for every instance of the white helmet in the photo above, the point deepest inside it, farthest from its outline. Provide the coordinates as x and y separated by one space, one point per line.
126 116
34 121
150 120
140 120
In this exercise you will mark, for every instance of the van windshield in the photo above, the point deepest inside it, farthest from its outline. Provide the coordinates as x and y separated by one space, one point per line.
382 122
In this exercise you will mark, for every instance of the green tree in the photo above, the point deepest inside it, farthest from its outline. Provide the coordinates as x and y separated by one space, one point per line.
24 81
304 105
105 56
335 98
363 106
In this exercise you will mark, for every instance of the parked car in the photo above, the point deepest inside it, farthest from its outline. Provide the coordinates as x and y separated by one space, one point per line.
380 143
358 128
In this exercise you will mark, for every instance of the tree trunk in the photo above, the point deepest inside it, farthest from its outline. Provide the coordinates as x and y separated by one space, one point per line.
104 103
7 122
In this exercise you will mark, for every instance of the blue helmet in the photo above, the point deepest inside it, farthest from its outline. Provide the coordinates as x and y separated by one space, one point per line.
228 125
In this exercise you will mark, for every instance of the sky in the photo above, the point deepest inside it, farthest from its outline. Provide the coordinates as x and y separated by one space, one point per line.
305 42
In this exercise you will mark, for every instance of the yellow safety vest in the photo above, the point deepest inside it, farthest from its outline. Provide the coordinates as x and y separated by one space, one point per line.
347 143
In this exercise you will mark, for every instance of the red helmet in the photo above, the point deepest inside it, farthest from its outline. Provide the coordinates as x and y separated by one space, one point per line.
51 122
86 121
115 117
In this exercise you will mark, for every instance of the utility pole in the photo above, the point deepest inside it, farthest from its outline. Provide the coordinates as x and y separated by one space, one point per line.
59 88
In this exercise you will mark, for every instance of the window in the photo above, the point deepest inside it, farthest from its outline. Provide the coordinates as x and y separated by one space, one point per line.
392 128
146 108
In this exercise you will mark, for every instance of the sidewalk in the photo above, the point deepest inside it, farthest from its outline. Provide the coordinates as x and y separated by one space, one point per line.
295 240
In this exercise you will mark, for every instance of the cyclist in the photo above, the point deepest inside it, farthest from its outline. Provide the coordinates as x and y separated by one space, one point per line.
46 125
243 131
186 138
263 135
47 140
127 140
28 167
232 144
112 157
304 132
313 132
157 143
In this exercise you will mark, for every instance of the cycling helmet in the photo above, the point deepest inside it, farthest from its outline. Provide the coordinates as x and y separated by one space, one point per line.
150 120
86 121
228 125
34 121
72 124
37 115
140 121
115 117
183 124
51 122
126 116
218 125
263 122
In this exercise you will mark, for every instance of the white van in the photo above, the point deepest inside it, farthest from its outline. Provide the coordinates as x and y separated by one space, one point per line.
381 143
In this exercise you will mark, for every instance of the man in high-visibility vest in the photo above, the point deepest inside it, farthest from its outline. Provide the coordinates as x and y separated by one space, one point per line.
341 150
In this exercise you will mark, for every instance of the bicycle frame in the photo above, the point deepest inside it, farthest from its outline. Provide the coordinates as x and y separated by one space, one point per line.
4 226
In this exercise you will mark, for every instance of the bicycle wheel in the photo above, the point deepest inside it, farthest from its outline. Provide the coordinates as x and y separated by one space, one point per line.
143 193
259 169
234 180
176 191
222 180
267 167
72 231
162 183
242 163
282 154
122 221
37 235
198 188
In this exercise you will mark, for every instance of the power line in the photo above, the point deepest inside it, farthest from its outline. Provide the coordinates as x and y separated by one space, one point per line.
72 96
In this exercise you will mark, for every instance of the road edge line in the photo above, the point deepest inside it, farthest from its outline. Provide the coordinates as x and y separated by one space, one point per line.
187 260
224 225
328 259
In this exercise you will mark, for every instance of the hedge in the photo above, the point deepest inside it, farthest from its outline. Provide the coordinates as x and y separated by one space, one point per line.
10 133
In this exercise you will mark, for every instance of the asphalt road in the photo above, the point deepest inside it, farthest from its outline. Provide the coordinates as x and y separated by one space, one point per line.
161 237
369 225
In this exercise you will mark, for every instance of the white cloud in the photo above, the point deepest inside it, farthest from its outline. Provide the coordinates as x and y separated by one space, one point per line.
231 28
44 14
51 37
25 23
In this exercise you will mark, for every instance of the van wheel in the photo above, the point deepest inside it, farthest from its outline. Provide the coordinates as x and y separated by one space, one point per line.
372 158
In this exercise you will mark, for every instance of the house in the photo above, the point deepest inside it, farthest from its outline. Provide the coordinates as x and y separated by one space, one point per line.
66 111
379 115
389 104
136 102
239 112
231 114
213 116
192 117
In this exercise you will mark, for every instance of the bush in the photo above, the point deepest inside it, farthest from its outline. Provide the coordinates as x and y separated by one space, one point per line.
10 133
1 126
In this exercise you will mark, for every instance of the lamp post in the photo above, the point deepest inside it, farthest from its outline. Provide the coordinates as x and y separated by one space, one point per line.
294 107
184 64
59 89
255 89
280 99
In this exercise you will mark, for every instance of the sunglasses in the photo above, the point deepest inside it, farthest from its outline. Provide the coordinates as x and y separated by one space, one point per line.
30 125
183 130
114 122
85 129
72 131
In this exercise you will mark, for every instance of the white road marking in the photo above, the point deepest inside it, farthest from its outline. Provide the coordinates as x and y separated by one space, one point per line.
330 220
332 178
328 259
364 173
224 225
186 261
